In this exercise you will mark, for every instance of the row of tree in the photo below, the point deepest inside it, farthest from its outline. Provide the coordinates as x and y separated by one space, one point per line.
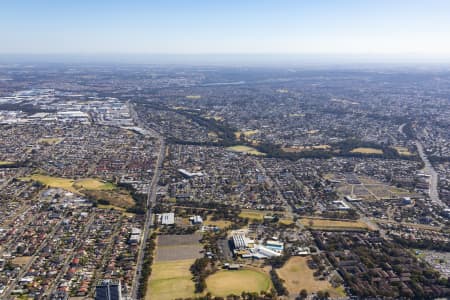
146 266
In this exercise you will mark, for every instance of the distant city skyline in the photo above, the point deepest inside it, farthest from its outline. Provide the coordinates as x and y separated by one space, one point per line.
382 28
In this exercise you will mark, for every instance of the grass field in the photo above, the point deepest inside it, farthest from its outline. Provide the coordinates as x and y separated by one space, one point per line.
193 97
171 277
54 182
49 141
286 221
331 224
251 214
245 149
363 150
117 198
93 185
298 276
246 134
21 261
224 282
72 185
403 151
219 223
259 215
89 187
170 280
294 149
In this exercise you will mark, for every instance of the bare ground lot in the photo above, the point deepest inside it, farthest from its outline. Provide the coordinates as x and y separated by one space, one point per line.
178 247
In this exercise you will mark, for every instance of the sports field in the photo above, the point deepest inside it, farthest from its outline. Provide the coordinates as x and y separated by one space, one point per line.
6 163
297 276
226 282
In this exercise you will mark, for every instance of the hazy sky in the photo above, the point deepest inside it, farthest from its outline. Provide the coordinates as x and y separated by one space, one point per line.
419 27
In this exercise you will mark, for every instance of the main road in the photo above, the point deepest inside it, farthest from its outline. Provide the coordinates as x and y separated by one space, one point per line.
151 198
429 170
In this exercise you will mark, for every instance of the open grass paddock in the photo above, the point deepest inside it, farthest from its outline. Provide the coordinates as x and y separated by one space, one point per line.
171 280
297 276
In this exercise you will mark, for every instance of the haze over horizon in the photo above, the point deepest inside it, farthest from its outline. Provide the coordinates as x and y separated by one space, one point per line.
368 30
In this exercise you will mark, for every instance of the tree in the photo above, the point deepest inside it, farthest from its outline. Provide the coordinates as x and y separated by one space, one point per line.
303 294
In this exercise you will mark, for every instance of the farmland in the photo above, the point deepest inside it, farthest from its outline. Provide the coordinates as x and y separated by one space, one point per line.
298 276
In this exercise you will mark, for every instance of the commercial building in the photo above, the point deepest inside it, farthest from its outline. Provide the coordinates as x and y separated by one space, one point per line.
241 242
108 290
188 174
196 220
166 218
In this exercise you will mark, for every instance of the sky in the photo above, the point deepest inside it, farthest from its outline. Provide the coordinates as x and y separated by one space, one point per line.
317 27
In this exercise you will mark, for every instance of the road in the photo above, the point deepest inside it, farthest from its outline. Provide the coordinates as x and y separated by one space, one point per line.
151 198
400 129
429 170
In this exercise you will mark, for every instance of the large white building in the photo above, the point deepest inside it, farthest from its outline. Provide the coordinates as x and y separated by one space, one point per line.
241 242
166 218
